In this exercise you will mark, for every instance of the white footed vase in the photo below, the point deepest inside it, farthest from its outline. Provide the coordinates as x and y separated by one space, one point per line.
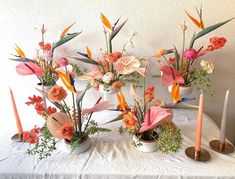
83 146
145 146
109 94
184 90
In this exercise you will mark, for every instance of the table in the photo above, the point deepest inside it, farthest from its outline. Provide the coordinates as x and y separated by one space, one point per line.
112 156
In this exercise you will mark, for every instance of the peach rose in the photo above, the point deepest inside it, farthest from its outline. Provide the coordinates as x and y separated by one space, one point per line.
117 84
113 57
130 121
57 93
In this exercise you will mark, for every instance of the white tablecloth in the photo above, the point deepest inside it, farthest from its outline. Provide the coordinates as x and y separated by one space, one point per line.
112 156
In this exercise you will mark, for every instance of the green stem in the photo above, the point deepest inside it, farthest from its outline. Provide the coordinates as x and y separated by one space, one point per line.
67 109
166 60
106 41
110 45
75 117
181 61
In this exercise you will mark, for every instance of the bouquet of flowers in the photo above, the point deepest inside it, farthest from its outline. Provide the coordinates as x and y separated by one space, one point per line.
150 123
43 65
112 69
72 124
185 68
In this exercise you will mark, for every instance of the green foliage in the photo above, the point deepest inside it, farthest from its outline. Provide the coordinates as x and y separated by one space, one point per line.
79 71
122 130
169 139
45 146
199 78
135 79
93 128
136 143
75 142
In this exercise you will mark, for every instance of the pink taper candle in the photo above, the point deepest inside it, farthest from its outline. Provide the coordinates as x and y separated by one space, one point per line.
199 124
18 122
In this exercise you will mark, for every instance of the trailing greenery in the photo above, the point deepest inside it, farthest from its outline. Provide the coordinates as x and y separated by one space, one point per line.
79 71
169 139
45 146
199 78
93 128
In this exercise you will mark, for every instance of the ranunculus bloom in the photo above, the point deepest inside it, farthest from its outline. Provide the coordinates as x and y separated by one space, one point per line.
149 93
108 77
59 125
46 46
129 121
113 57
190 54
117 84
57 93
63 62
67 131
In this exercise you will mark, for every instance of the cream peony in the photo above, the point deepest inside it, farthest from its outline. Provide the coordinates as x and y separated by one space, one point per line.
208 66
108 77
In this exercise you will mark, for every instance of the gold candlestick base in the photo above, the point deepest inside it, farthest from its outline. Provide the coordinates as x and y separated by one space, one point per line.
202 156
221 148
17 138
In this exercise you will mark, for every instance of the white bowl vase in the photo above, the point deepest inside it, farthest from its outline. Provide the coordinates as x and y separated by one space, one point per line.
146 146
109 94
83 147
184 90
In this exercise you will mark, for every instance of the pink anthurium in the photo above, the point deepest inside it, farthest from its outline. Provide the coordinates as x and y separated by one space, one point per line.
156 116
91 75
171 76
29 68
97 107
129 64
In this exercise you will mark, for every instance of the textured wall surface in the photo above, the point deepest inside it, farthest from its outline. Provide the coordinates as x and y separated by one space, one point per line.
155 21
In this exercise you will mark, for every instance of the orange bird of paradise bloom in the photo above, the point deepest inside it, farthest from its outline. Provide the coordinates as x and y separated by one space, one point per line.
175 92
122 102
200 23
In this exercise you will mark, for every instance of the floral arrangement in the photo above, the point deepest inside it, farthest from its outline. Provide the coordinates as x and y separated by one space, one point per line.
43 65
112 69
185 68
71 124
148 121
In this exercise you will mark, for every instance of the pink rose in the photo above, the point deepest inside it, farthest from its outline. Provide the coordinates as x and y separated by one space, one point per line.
190 54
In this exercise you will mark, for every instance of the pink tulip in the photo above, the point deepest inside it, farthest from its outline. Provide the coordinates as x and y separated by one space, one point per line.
29 68
154 118
171 76
97 107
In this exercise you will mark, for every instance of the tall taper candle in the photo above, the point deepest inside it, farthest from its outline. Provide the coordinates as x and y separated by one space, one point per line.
199 124
224 119
18 122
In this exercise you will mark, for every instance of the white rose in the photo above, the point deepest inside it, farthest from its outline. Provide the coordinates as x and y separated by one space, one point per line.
208 66
108 77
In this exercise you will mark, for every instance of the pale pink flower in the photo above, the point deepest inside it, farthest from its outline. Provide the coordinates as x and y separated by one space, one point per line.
97 107
155 117
108 77
171 76
129 64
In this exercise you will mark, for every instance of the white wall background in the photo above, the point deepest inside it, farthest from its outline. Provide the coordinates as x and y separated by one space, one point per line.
156 22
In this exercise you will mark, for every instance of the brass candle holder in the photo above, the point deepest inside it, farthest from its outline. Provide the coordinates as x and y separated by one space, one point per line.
17 138
221 148
202 155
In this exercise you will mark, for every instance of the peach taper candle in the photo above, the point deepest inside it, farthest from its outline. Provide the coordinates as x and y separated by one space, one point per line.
199 124
17 117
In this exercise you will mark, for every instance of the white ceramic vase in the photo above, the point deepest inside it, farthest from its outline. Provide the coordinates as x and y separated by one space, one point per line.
83 147
184 90
109 94
145 146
